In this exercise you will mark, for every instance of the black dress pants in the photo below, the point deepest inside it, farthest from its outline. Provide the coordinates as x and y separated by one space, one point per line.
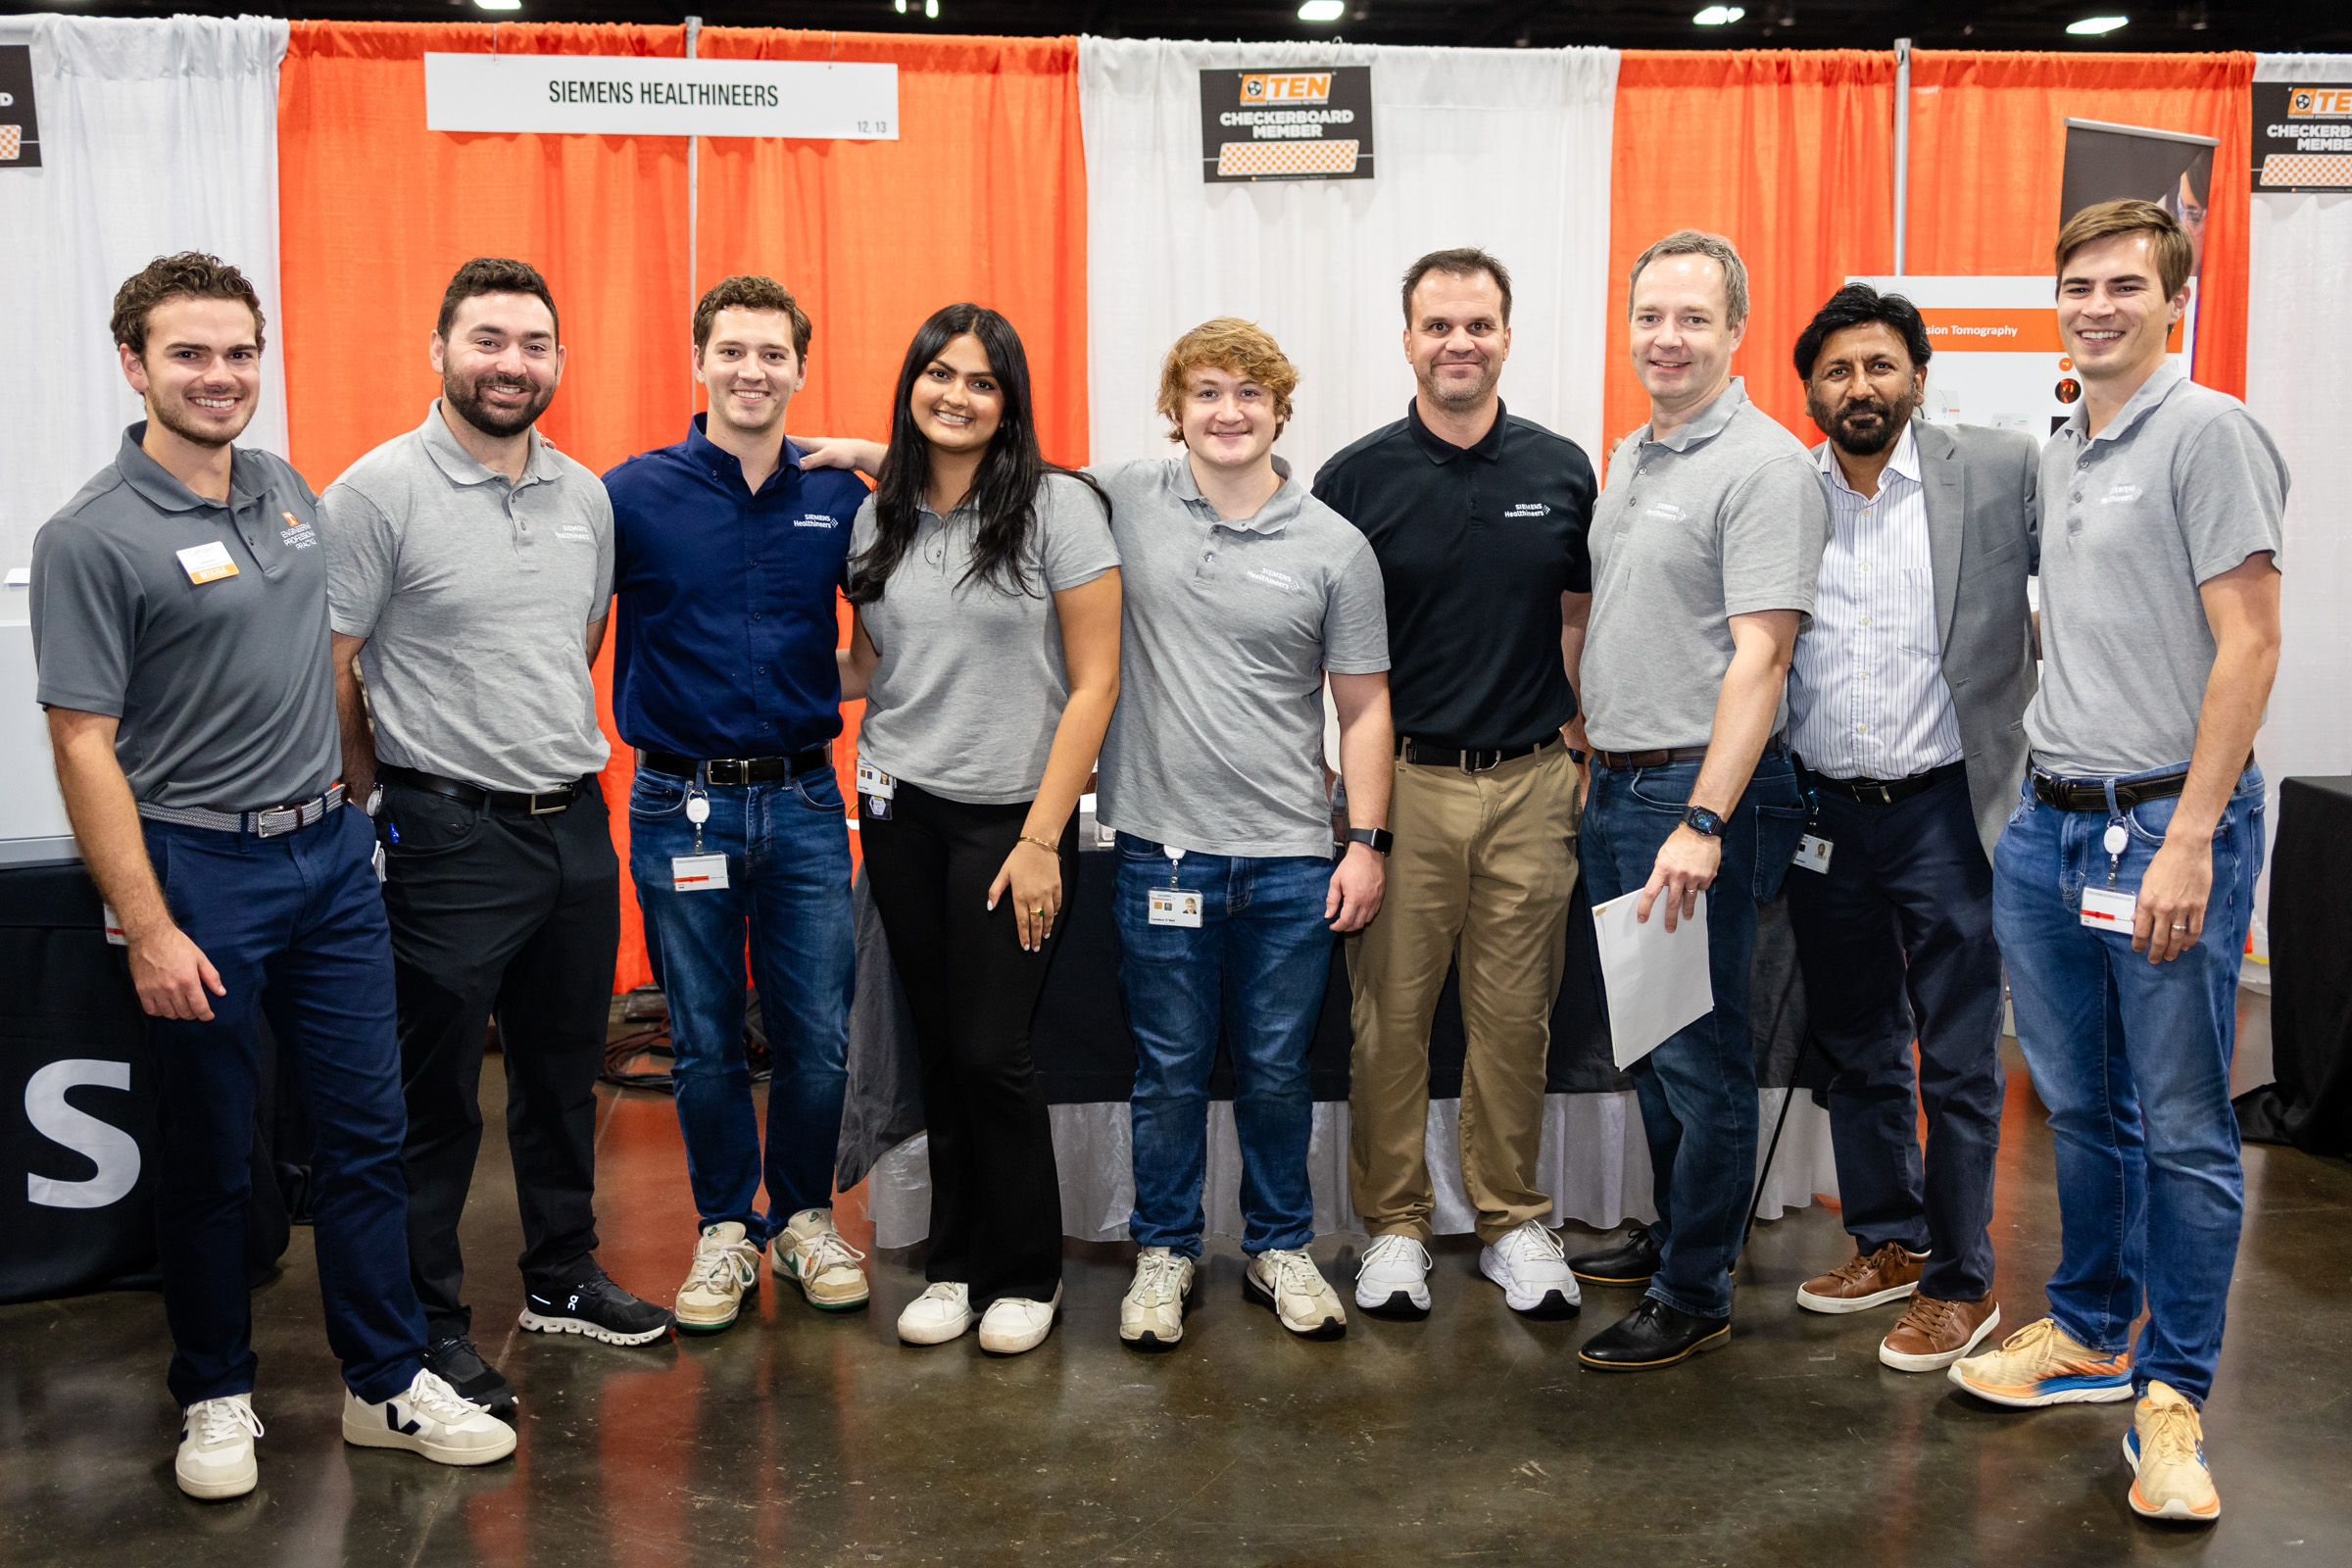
996 1195
499 911
1895 943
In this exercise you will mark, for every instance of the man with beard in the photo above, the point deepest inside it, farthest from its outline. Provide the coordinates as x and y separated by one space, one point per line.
1477 518
1906 702
469 566
180 622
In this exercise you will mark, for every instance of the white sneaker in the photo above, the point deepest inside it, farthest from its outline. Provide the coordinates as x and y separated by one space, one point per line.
1013 1324
726 1268
811 1253
215 1447
428 1419
943 1312
1151 1314
1533 1271
1393 1279
1292 1285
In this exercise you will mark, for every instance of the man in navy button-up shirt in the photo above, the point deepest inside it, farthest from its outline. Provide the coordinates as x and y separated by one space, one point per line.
727 555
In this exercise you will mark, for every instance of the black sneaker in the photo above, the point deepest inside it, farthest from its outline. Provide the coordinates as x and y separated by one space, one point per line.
593 1305
453 1358
1631 1262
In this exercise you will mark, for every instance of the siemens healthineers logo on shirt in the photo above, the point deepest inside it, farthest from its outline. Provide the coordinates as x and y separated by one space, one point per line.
815 520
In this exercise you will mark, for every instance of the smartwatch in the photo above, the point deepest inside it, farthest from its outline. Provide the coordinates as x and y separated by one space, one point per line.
1379 838
1698 819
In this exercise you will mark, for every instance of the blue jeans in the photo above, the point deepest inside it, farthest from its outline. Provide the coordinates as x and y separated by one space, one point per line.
1257 963
788 891
1698 1088
296 928
2132 1059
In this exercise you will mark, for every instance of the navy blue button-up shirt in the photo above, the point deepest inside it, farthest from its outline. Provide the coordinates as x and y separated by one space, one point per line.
727 622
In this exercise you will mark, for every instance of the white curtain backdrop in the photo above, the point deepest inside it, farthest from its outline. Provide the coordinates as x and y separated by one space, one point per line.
2298 327
156 136
1503 148
1594 1164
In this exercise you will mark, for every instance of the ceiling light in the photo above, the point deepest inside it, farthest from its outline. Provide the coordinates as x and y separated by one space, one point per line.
1323 10
499 5
931 9
1719 16
2092 26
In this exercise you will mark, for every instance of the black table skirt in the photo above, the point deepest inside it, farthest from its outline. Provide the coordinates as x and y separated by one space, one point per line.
2310 1105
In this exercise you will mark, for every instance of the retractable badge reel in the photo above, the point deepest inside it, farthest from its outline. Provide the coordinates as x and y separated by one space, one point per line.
1172 904
698 872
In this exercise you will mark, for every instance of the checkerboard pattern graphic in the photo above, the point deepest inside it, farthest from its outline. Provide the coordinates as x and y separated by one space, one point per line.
2306 168
12 143
1241 159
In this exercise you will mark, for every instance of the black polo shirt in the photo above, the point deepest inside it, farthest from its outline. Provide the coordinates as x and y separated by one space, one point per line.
1476 545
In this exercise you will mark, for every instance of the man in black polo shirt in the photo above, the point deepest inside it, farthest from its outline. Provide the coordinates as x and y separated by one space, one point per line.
1478 519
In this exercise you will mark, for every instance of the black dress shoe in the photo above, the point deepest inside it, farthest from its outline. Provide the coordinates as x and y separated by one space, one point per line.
1654 1335
453 1358
1631 1262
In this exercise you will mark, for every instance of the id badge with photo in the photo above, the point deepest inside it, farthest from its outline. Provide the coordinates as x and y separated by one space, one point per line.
879 788
1173 907
2109 909
698 873
1812 854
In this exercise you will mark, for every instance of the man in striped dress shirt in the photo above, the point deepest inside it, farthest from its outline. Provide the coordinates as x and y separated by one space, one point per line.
1905 701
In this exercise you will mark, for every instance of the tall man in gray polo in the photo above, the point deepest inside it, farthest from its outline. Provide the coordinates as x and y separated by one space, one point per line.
470 567
1706 544
179 622
2125 880
1906 706
1244 594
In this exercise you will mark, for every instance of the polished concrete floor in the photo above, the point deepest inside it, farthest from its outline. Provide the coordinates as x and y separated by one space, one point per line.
1472 1436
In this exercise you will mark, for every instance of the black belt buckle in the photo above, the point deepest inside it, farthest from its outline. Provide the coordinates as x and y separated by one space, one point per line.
727 770
1469 761
1886 790
560 798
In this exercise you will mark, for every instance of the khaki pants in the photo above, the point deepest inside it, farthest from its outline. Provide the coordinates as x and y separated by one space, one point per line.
1482 872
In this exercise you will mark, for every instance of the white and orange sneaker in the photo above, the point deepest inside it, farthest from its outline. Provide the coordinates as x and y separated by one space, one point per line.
2166 1450
2043 1364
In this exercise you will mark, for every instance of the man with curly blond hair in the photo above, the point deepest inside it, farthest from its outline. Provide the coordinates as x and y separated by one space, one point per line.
1244 595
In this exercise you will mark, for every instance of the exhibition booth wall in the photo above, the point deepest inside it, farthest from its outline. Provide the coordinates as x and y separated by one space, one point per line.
1058 179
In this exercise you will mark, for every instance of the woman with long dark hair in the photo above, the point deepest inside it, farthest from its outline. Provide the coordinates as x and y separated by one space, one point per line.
985 588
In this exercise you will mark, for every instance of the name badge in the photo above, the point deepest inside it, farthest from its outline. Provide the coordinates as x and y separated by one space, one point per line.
1174 906
2109 909
1812 854
114 927
872 781
207 562
698 873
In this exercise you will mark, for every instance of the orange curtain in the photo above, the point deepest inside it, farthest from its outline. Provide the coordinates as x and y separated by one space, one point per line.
1988 154
1788 155
981 198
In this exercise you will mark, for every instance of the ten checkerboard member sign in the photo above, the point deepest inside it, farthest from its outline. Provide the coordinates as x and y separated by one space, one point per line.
179 623
1477 517
469 566
1906 707
2125 880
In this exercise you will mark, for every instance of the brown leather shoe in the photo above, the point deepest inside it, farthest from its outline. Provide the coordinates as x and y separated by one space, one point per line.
1934 1334
1863 1282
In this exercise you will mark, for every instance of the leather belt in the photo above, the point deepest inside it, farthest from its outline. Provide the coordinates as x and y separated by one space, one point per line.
1886 790
266 823
1665 758
1474 760
540 803
742 769
2074 794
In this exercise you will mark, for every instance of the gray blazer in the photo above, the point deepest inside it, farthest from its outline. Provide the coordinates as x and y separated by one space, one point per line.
1985 540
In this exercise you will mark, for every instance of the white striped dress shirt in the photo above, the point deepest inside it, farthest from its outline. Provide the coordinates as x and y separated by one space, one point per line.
1867 696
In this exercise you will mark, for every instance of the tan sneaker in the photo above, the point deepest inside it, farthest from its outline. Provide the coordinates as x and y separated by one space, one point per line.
2043 1364
726 1268
1863 1282
811 1253
2166 1450
1933 1334
1292 1285
1151 1314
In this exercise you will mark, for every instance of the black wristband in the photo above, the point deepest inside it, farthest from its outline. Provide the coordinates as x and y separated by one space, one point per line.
1380 839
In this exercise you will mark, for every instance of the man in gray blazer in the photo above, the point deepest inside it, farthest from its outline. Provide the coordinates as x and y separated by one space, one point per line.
1906 702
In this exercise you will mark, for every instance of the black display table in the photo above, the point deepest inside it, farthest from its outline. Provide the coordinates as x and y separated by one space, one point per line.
2310 1104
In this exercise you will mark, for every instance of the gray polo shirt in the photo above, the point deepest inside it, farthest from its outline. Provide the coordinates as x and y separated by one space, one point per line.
972 684
2181 486
1217 742
474 596
223 690
1722 517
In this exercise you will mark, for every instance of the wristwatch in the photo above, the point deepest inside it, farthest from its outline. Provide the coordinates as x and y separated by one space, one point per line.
1379 838
1698 819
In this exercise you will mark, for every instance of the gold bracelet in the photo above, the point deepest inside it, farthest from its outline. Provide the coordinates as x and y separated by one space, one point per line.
1054 849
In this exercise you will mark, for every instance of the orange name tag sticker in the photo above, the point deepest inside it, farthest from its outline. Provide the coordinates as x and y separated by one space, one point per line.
207 562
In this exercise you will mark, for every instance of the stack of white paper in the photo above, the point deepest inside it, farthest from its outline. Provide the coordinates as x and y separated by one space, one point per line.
1657 980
